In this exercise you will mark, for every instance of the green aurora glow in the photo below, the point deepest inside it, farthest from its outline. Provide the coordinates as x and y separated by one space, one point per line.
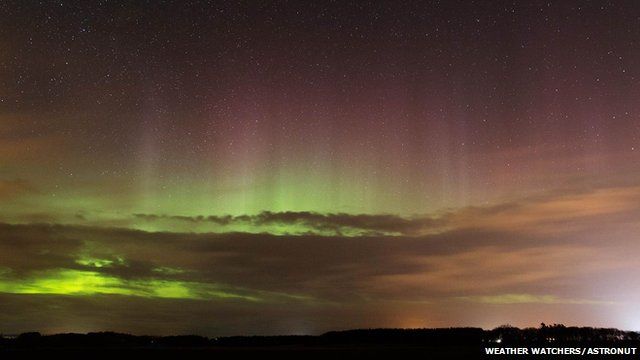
86 283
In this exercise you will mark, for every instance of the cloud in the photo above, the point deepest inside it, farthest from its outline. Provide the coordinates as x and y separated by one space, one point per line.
552 213
553 251
502 299
306 221
325 268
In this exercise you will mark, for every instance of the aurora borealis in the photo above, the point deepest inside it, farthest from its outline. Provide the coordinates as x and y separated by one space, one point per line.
227 168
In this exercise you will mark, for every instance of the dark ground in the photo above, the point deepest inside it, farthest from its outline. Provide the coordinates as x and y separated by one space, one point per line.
453 343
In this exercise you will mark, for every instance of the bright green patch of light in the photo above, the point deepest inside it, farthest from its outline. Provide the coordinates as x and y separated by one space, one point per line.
66 282
97 263
79 282
171 289
90 261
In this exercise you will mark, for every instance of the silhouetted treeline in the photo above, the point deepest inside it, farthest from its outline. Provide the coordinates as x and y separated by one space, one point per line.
558 333
501 336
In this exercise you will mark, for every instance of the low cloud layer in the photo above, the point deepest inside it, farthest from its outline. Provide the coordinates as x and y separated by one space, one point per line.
551 253
551 213
310 222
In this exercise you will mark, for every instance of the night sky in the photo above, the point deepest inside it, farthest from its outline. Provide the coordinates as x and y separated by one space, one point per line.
282 167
